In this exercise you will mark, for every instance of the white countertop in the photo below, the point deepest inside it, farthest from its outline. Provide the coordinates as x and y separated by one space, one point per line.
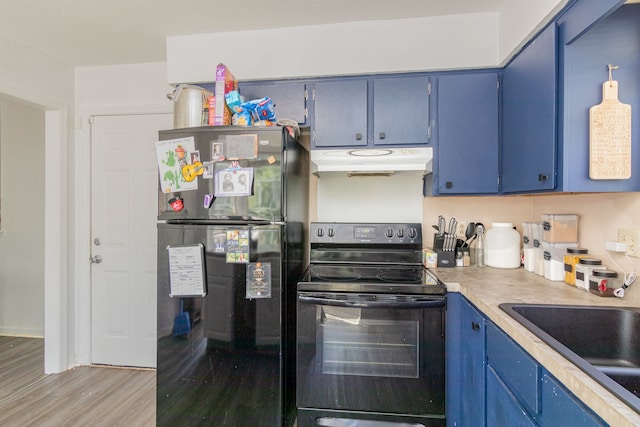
488 287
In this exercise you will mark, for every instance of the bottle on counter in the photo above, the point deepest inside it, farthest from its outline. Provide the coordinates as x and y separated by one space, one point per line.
502 248
480 244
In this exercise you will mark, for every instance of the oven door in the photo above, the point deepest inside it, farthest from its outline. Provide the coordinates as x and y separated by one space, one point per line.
371 353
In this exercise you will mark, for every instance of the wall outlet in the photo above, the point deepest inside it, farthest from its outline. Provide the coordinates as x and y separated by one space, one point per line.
630 236
462 228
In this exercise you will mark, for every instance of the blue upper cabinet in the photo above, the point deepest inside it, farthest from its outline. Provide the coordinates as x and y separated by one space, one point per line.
289 98
367 112
340 113
584 57
549 88
400 111
466 133
529 100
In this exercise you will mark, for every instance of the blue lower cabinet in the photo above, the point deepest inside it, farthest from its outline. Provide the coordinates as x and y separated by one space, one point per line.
503 409
493 382
560 408
466 363
517 369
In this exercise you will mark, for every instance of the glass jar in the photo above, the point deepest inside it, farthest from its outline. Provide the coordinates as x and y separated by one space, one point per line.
571 258
584 268
604 282
480 244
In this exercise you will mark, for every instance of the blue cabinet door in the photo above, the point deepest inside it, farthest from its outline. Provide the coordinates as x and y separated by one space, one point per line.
466 134
401 110
465 368
503 408
340 113
289 98
529 110
614 40
560 408
473 366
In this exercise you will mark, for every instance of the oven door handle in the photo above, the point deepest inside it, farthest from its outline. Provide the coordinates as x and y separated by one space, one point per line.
425 303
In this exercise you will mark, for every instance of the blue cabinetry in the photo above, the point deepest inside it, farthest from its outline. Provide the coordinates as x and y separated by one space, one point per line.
492 381
614 40
548 89
360 112
529 99
503 408
466 133
289 97
340 113
465 363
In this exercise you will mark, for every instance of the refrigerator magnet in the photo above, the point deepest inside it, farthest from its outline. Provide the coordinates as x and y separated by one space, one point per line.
258 280
176 203
234 182
208 200
237 246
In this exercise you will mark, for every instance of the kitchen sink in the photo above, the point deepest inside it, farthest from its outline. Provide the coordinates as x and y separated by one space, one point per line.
602 341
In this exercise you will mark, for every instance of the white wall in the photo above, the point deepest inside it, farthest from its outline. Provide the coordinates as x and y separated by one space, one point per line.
520 20
22 245
29 75
105 90
418 44
600 216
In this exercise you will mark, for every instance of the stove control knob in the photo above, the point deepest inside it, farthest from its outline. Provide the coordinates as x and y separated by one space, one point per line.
412 233
389 233
320 232
400 233
331 232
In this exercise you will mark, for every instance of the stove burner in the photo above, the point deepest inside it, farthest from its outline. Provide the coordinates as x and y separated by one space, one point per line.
399 277
335 274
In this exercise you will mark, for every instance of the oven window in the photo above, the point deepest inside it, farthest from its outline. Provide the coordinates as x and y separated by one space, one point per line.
354 345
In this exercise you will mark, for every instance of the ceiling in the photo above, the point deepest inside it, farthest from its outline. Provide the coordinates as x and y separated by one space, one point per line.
98 32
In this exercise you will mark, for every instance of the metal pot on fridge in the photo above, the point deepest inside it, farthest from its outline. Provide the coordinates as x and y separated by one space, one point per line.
189 102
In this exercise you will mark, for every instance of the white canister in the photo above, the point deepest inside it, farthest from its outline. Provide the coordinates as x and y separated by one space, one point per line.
502 246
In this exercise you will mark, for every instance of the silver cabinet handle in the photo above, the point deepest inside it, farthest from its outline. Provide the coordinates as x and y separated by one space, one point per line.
96 259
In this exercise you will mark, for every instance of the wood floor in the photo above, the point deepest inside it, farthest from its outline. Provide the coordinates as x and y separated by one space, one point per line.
83 396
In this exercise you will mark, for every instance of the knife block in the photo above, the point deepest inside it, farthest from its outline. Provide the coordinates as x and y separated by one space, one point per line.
445 258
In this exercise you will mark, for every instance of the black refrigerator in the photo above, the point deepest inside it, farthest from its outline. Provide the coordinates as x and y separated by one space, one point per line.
233 212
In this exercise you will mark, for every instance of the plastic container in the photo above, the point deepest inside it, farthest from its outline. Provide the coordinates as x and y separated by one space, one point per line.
560 228
554 260
538 251
571 259
527 246
502 246
604 282
584 268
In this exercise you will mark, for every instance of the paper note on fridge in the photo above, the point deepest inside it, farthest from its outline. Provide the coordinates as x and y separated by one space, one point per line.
173 155
186 270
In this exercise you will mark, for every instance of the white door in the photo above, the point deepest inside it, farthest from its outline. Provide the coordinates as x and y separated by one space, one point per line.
124 204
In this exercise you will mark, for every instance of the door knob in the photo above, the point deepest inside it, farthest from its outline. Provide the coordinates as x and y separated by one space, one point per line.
97 241
97 259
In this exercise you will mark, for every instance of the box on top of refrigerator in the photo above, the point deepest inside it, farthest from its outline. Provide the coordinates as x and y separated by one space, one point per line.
225 83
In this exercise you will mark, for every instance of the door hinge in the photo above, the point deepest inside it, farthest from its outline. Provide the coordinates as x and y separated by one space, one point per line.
313 94
429 132
90 120
429 88
306 94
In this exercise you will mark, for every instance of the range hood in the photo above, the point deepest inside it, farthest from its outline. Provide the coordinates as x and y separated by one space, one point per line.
372 160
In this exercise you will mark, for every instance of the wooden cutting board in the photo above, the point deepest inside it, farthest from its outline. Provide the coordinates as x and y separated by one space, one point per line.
610 136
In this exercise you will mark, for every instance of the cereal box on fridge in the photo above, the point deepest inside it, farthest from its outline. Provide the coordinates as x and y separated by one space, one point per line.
225 83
